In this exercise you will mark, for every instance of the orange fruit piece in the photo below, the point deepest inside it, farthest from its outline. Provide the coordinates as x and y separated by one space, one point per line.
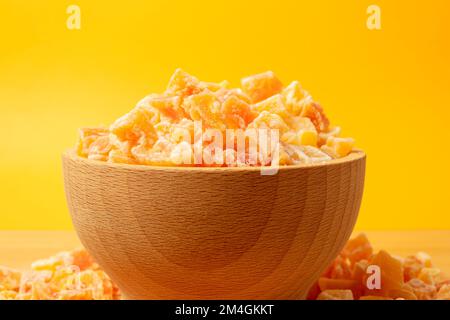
340 268
135 124
183 84
205 107
9 279
169 107
391 273
237 112
358 248
443 293
338 284
261 86
315 112
89 137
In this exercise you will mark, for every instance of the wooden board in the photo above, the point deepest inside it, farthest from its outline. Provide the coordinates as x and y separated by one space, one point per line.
19 248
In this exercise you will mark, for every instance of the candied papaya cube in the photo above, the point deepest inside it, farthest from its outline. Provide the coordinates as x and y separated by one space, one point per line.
422 290
296 98
8 295
237 112
169 107
261 86
336 295
443 293
9 279
338 284
430 276
183 84
307 133
412 267
267 120
338 147
205 107
315 112
391 273
272 104
81 258
340 268
300 138
135 124
88 136
358 248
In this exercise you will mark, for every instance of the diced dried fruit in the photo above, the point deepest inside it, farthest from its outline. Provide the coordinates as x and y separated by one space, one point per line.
412 278
338 147
65 276
9 279
422 290
261 86
358 248
444 293
391 273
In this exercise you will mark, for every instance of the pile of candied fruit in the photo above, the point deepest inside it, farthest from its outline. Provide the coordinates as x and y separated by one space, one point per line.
411 278
75 276
161 129
65 276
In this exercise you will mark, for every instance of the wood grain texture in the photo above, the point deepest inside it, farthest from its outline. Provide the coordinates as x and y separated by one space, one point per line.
18 249
213 233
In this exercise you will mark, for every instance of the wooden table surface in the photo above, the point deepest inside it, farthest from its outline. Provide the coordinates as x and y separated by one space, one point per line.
19 248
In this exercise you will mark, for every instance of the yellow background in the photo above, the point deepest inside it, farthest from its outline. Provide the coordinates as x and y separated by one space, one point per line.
389 89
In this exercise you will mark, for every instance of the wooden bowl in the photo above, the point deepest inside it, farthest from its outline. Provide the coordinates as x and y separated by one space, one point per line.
214 233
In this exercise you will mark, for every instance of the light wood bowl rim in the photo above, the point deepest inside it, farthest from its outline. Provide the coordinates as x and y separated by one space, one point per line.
355 155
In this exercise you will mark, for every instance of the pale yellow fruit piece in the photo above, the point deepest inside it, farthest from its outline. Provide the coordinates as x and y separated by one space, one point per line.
444 293
430 276
274 105
8 295
182 154
89 137
301 138
424 258
267 120
52 263
304 133
261 86
422 290
296 98
323 136
339 147
336 295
